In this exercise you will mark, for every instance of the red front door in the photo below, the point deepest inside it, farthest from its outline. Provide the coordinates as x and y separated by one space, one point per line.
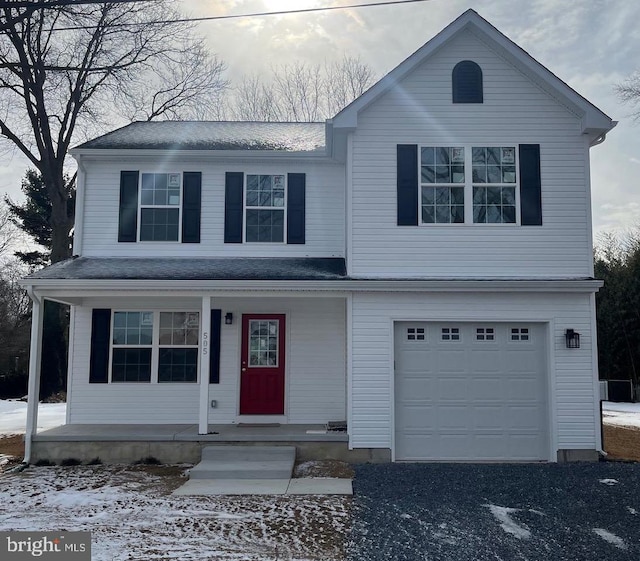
262 364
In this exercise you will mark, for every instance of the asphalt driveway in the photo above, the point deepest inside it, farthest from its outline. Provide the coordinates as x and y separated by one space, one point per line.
464 512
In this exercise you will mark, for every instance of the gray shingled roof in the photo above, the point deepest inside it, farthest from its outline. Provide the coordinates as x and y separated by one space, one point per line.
177 268
213 135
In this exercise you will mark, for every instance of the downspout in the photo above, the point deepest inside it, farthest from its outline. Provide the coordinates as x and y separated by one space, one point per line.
33 396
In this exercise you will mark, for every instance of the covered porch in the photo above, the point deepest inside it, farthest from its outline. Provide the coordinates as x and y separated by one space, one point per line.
292 330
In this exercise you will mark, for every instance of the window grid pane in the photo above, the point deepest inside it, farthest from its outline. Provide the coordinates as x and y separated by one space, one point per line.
178 365
159 224
179 328
131 365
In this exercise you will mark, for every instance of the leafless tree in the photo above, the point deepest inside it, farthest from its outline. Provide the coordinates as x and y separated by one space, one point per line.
67 71
629 92
301 92
254 100
345 81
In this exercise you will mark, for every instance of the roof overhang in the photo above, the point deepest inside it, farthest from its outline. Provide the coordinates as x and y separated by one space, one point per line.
74 291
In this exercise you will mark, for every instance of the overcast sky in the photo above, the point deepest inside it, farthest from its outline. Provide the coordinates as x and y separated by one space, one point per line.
590 44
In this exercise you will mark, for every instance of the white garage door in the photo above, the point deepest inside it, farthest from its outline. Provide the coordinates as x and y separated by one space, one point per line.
470 391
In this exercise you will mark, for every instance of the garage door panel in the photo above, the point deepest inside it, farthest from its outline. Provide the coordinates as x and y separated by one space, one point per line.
417 416
471 399
452 417
485 388
488 417
450 388
417 387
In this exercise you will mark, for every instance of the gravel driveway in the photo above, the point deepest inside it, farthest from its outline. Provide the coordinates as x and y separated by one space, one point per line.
464 512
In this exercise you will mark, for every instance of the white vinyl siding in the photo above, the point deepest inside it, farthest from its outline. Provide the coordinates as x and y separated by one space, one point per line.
324 210
572 370
315 379
515 111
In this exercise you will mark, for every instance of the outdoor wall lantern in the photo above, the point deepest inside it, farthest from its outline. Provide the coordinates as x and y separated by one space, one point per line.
228 318
573 339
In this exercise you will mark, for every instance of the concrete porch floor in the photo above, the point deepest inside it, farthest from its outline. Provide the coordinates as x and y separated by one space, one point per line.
172 444
189 433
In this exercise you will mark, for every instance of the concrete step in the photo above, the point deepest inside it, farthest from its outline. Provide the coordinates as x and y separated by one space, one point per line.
249 453
245 462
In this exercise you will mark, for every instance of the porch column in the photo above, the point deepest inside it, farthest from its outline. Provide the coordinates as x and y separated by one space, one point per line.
35 351
205 363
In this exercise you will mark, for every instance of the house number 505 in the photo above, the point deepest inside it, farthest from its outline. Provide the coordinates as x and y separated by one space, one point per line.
205 343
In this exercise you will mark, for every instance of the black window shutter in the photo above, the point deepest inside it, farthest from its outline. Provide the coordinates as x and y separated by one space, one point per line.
530 185
191 195
214 355
296 208
407 178
466 82
99 356
128 216
233 206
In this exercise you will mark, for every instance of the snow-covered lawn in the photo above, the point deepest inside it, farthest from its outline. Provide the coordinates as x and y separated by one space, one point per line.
621 414
132 515
13 416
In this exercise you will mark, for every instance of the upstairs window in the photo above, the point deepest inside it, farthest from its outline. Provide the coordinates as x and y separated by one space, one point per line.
467 82
494 185
265 208
160 207
442 185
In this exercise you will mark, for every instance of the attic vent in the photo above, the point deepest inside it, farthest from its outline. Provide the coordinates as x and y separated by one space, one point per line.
467 82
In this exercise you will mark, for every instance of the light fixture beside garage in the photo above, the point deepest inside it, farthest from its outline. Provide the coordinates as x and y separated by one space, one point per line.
573 339
228 318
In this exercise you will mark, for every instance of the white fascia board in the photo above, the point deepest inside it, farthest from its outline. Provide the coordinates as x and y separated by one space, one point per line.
79 288
133 153
591 117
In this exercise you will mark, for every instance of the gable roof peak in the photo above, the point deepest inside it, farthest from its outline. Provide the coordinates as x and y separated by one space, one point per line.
595 123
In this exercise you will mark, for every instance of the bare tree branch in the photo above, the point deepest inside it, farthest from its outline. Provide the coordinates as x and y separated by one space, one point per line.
56 85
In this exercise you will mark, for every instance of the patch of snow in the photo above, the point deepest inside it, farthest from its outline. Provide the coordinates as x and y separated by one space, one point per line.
632 510
132 515
611 538
621 414
503 515
608 481
13 416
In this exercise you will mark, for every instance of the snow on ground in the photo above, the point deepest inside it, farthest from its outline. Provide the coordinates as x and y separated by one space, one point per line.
621 414
13 416
611 538
132 515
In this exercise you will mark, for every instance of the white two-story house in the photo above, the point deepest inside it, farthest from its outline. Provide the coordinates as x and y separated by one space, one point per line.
420 266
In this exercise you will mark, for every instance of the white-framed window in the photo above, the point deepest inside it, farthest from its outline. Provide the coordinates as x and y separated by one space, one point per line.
265 208
160 207
415 334
442 178
494 184
470 184
154 346
519 334
485 334
450 334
